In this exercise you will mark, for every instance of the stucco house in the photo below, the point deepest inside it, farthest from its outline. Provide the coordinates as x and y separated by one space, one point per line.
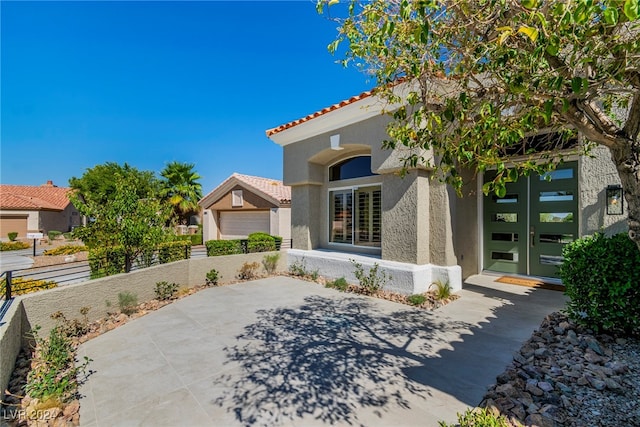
244 204
349 203
25 209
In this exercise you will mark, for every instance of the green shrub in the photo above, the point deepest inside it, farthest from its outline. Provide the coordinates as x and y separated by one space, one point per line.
127 302
270 263
373 281
12 235
248 271
174 251
65 250
213 277
106 261
53 235
67 236
417 299
165 290
195 239
601 277
478 417
260 242
223 247
278 240
441 290
339 284
13 246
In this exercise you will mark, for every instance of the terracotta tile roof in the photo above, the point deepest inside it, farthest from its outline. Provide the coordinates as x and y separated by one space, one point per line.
271 187
326 110
45 197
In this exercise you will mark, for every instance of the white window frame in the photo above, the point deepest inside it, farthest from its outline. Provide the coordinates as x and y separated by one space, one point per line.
237 201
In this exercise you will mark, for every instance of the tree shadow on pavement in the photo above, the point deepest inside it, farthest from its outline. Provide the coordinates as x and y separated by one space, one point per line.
329 358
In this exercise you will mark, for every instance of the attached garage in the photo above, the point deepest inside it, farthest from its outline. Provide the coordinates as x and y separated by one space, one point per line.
17 223
239 224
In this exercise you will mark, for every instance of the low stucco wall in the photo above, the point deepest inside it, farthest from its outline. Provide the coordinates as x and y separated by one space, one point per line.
27 311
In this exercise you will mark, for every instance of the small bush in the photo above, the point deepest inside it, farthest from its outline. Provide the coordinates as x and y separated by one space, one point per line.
299 268
174 251
248 271
12 235
339 284
441 290
127 302
417 299
73 327
260 242
213 277
13 246
478 417
270 263
195 239
223 247
67 236
53 235
372 282
65 250
106 261
601 277
24 285
165 290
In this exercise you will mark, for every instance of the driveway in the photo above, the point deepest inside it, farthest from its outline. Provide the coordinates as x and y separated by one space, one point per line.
280 351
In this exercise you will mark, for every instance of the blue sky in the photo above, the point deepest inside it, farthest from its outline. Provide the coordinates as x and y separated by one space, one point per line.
84 83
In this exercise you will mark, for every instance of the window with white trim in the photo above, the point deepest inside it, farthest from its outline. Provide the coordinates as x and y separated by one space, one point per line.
236 198
355 216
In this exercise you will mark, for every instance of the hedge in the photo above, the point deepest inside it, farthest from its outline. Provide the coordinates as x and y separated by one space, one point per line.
223 247
174 251
106 261
601 277
195 239
260 242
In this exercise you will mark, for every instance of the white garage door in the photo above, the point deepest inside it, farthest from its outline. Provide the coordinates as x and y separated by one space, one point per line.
239 224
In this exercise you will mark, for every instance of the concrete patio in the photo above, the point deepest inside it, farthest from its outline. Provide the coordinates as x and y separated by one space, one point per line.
280 351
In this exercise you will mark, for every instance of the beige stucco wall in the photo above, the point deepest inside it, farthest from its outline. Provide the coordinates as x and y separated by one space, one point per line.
228 266
305 216
465 229
11 340
596 173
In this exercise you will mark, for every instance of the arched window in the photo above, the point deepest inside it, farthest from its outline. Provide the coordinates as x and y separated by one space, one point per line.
355 167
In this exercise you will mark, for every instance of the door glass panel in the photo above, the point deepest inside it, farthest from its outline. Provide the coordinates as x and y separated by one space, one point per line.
556 196
556 217
504 256
368 217
504 217
557 174
509 198
551 259
504 237
556 238
341 216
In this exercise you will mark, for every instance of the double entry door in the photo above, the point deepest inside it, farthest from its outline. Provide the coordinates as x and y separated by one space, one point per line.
525 230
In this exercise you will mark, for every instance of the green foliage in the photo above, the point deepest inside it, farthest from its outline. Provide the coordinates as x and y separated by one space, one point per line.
373 281
25 285
278 241
106 261
299 268
270 263
441 289
68 236
223 247
165 290
248 271
13 246
213 277
417 299
601 277
478 417
127 302
12 235
65 250
53 235
260 242
195 239
174 251
180 187
339 284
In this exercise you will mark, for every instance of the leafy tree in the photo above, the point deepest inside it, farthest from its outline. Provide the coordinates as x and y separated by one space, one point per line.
180 187
124 220
98 184
468 81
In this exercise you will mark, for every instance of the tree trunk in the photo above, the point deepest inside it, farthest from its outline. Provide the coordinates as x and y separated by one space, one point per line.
627 160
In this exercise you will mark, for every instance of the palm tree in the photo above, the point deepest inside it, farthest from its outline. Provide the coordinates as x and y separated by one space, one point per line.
180 187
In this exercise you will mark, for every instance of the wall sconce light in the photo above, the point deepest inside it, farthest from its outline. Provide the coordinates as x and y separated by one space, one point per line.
335 142
615 201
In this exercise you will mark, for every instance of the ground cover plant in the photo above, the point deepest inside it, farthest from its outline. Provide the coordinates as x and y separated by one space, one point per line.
13 246
25 285
65 250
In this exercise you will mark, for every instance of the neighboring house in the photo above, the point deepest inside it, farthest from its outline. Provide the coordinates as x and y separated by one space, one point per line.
245 204
349 200
25 209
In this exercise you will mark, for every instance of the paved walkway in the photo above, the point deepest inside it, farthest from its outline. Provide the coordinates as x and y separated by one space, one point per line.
280 351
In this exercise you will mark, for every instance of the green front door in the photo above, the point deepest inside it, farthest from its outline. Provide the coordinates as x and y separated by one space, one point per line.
524 232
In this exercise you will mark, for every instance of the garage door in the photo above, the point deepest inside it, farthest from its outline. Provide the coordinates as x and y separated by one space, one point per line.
10 223
239 224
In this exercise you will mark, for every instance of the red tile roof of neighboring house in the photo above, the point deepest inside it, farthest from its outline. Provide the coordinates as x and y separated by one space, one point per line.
26 197
326 110
271 187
